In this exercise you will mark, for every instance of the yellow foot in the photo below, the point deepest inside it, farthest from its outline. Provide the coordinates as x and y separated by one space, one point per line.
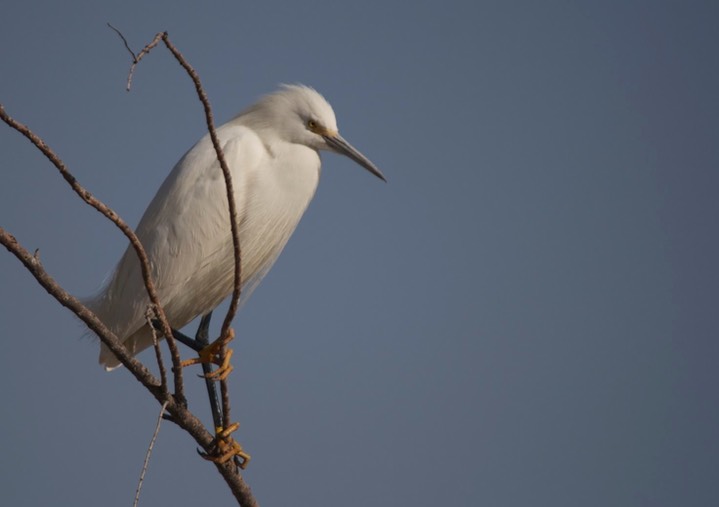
211 354
224 448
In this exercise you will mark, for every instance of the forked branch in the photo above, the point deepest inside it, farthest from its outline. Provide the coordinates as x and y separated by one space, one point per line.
175 405
86 196
209 120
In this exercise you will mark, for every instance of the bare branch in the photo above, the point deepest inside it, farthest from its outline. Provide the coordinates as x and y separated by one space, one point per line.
151 314
136 57
179 414
150 447
122 225
67 300
234 302
175 406
209 119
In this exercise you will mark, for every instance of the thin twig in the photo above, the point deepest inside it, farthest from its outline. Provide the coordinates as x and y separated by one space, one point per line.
150 315
124 41
237 285
122 225
149 451
136 57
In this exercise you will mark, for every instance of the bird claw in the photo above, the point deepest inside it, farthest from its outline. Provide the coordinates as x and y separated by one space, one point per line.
225 448
211 354
224 369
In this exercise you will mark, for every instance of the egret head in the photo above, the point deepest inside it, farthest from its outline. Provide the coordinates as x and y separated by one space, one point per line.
299 114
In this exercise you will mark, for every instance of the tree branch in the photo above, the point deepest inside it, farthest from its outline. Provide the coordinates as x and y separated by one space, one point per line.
122 225
151 314
136 57
176 405
146 463
67 300
237 282
178 412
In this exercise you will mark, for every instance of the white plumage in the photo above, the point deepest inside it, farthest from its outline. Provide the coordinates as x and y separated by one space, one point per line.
272 152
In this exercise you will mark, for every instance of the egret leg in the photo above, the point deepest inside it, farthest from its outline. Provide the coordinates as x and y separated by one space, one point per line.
198 344
208 353
224 447
192 343
202 339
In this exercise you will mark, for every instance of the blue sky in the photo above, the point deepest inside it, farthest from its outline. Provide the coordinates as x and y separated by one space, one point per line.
525 313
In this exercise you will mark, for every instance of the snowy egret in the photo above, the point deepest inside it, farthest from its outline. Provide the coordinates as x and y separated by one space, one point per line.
272 150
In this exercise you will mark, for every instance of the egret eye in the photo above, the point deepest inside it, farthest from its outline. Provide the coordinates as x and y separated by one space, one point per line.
312 125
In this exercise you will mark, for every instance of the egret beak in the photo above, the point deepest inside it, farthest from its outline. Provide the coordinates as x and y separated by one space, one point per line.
339 145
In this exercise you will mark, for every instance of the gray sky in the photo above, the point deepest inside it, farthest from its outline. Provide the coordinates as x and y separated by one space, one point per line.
524 315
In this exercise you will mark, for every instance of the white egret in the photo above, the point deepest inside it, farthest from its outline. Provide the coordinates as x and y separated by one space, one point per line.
272 150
